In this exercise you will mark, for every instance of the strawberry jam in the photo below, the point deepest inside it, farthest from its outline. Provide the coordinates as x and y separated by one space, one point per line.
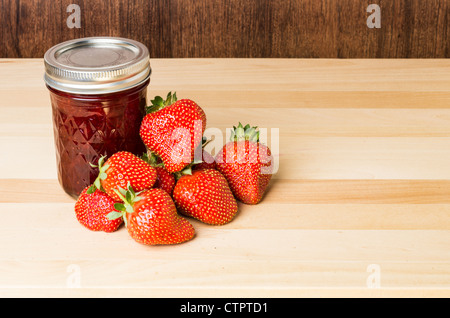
88 127
98 89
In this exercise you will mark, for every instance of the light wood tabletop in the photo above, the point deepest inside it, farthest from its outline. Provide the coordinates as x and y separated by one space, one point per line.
359 206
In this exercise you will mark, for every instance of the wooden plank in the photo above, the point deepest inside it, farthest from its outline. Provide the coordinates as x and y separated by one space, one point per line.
267 83
363 158
216 243
292 259
206 274
298 157
238 28
298 98
296 123
362 186
33 190
271 75
34 157
291 191
36 120
56 212
318 75
359 191
210 98
192 292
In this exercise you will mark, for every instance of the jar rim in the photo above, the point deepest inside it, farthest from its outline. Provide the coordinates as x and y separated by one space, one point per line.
96 65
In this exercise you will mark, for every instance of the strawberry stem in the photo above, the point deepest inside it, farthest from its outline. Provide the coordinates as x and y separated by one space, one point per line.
152 159
128 197
101 175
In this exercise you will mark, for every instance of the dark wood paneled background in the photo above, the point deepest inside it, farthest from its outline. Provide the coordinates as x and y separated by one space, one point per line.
236 28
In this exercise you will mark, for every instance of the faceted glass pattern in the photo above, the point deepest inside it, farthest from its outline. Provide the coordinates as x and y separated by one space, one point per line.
87 127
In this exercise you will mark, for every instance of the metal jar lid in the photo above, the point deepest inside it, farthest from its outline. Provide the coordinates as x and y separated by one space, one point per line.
96 65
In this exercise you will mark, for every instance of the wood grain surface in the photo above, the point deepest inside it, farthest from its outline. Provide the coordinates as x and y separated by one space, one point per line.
362 190
235 28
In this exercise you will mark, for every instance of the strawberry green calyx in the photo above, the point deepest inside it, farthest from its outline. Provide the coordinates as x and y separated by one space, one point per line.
128 197
152 159
159 103
184 172
101 175
246 132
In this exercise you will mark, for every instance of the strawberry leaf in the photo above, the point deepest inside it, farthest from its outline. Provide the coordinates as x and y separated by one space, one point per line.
128 199
187 171
145 157
122 191
114 215
131 192
159 103
119 207
128 196
241 133
101 173
91 189
129 208
97 183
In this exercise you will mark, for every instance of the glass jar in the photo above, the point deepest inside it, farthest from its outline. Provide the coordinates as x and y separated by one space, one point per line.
98 90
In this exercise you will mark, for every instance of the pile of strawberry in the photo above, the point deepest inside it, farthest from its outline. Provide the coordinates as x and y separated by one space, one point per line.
155 194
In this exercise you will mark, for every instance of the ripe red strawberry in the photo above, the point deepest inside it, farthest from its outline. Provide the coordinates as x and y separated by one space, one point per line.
246 164
92 209
121 169
173 129
206 196
151 218
164 180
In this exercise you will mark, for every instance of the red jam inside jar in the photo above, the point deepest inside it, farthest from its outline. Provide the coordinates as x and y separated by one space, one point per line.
91 117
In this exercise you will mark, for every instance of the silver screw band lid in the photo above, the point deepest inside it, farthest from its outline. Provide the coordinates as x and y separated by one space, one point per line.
96 65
